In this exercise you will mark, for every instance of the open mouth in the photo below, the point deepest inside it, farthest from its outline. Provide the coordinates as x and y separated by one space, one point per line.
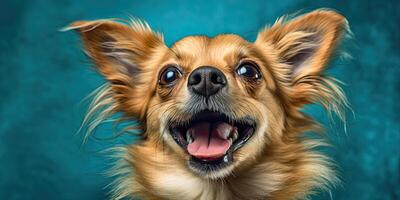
210 138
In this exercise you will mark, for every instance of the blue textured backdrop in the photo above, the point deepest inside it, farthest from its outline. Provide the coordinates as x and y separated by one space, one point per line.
44 76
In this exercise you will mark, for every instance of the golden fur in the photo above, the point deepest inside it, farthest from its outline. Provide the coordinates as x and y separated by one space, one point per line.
278 162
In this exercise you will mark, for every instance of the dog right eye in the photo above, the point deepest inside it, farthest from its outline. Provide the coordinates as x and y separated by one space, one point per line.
169 76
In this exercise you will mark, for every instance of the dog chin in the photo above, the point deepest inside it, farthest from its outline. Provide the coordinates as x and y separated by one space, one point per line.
213 175
210 139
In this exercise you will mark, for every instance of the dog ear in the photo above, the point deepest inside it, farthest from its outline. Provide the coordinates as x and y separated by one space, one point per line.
121 54
304 46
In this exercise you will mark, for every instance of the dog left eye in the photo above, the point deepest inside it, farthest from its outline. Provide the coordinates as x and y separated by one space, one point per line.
249 71
169 76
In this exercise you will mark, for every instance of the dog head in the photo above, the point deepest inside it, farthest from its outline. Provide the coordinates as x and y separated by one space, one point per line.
217 102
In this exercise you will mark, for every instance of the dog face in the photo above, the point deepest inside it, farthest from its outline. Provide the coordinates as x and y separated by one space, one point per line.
217 103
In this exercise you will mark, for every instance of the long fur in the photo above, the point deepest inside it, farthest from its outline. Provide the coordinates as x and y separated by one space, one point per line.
291 167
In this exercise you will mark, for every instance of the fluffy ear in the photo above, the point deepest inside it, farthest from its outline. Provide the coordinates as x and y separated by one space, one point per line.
303 47
120 53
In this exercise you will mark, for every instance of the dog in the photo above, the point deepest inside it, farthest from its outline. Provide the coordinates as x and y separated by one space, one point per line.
220 117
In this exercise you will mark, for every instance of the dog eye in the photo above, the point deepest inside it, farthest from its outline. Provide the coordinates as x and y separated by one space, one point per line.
249 71
169 75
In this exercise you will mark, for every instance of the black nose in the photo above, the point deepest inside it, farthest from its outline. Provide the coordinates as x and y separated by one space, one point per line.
206 81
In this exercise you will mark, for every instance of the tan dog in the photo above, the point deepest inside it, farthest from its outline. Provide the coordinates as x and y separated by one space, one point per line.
221 117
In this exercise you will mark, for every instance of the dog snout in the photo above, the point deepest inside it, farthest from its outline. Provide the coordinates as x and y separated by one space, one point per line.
206 81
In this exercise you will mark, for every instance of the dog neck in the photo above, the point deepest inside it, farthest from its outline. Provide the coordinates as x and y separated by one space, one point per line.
157 173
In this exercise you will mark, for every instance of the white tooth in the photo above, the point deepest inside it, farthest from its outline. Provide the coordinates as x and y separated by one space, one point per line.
224 130
225 158
235 134
189 137
227 133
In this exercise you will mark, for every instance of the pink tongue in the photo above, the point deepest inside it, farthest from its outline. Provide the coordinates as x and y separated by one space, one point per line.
209 144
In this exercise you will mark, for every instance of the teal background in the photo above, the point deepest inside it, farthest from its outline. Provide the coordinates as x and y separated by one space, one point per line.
44 76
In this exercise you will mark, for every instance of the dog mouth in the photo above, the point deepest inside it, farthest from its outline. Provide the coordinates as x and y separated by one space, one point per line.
210 138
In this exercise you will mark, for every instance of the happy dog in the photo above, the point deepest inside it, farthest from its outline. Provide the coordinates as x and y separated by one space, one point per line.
221 116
